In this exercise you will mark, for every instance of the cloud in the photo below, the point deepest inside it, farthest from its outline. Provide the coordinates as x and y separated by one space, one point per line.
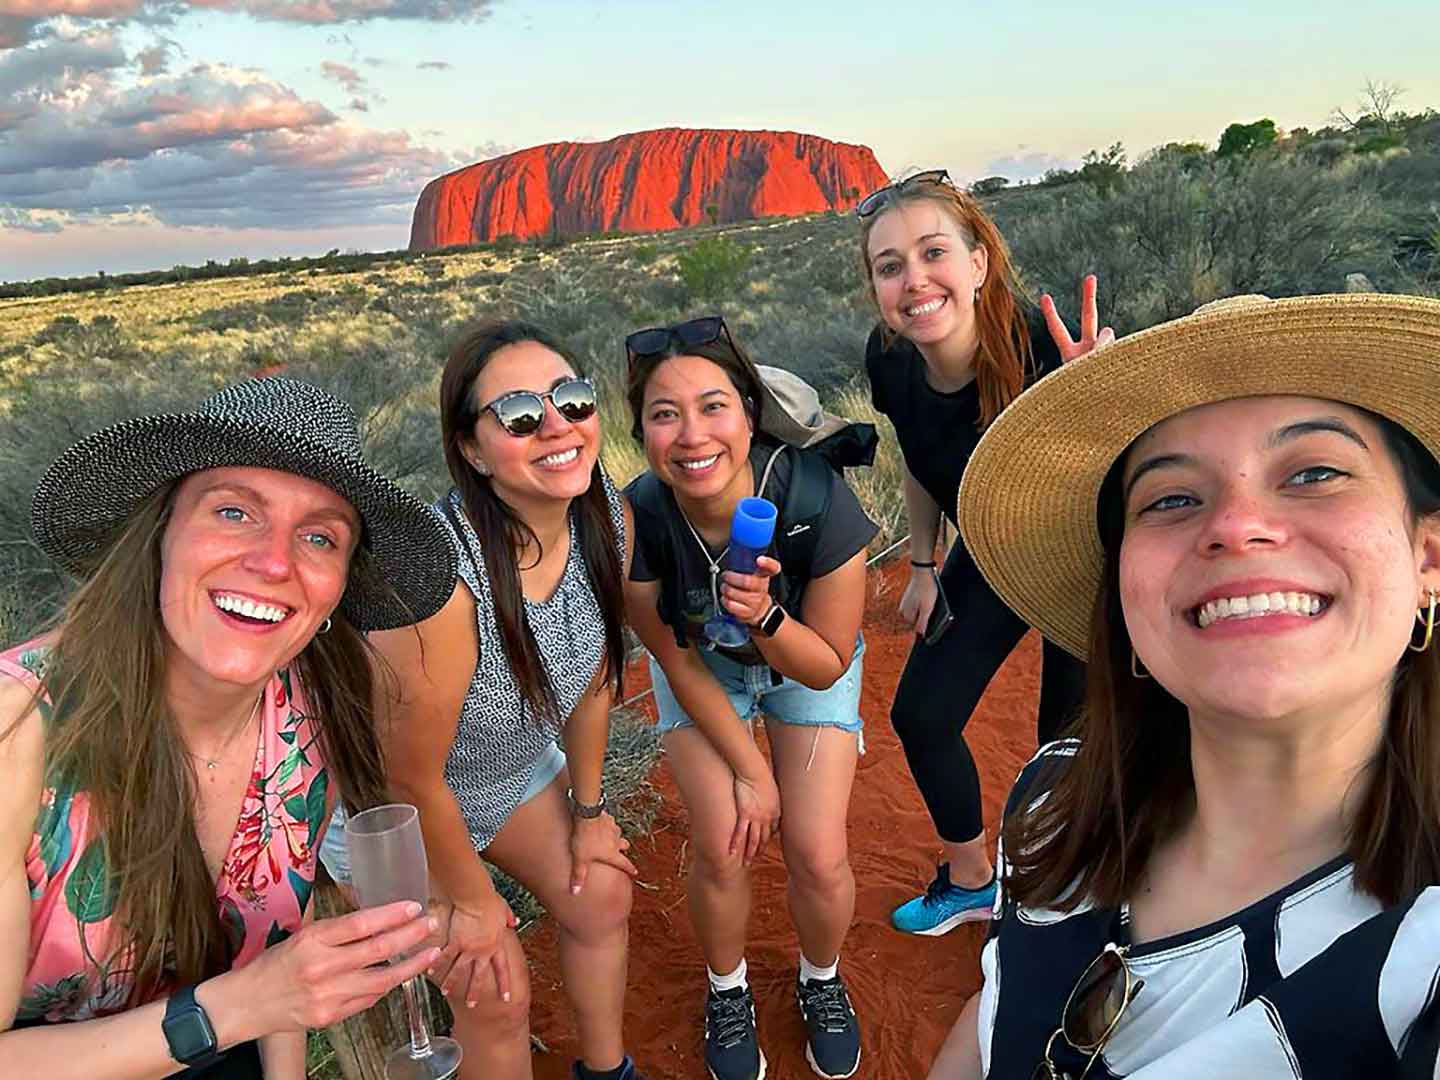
28 220
434 65
359 105
155 60
15 31
350 79
319 12
1028 166
81 140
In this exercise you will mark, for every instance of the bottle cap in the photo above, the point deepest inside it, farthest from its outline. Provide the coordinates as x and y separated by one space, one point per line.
753 525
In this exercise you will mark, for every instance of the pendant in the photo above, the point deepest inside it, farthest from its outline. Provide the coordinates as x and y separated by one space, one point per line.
209 764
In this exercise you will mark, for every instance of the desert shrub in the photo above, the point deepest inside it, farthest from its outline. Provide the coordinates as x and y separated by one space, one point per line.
712 267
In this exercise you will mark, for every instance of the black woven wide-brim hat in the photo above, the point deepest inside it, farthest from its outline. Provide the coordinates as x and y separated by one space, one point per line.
85 498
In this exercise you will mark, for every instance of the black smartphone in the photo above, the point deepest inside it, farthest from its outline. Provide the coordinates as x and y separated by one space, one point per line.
940 616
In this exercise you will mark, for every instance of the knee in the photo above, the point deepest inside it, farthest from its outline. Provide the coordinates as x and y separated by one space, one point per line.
820 868
602 907
909 712
715 863
492 1020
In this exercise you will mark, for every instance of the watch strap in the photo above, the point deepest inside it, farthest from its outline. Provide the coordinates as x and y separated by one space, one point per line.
585 810
188 1030
772 621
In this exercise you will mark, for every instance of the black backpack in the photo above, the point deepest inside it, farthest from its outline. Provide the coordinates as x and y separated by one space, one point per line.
807 502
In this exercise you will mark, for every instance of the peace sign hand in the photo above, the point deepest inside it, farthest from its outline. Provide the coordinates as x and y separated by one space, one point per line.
1089 320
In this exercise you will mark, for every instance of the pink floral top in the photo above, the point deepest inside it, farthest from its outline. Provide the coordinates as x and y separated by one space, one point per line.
73 971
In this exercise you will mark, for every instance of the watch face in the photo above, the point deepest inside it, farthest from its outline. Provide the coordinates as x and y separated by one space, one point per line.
189 1035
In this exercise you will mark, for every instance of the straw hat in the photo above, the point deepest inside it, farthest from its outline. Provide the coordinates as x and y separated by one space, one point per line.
1028 501
94 487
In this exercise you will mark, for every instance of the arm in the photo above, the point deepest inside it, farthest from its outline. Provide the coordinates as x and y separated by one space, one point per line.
815 646
313 979
923 514
434 663
959 1057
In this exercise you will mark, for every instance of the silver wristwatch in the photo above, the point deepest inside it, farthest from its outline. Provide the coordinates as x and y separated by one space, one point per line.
585 810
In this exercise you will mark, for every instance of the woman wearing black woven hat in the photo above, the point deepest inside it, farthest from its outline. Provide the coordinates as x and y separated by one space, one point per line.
173 745
527 653
1233 869
956 343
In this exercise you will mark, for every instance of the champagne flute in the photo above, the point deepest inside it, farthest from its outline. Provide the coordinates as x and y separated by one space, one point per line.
387 860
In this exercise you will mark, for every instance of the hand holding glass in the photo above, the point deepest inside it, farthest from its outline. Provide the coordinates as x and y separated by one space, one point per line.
751 530
387 859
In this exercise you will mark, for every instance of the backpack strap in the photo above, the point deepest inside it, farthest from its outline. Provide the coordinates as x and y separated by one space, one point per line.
655 528
797 533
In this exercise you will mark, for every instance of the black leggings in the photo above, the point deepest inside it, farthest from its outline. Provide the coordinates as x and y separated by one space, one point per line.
942 684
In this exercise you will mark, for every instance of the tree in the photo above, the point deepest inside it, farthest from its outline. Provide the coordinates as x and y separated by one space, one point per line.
990 185
1376 107
1241 139
1102 171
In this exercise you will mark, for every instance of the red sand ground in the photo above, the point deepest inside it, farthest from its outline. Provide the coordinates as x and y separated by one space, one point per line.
907 990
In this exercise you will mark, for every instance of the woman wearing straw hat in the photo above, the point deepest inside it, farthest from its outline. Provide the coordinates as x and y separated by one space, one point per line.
956 343
527 652
173 745
710 424
1232 869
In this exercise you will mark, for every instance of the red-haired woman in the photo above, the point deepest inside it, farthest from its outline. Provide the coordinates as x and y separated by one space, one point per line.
955 345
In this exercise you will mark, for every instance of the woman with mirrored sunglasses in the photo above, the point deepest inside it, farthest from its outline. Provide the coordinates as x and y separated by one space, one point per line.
957 341
529 651
1233 868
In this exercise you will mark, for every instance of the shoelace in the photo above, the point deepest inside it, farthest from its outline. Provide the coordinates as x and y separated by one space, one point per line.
937 889
730 1019
829 1004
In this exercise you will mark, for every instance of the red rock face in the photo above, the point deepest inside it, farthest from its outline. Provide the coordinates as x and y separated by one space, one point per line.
645 182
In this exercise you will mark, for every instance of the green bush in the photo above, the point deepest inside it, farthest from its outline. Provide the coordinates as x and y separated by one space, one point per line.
712 267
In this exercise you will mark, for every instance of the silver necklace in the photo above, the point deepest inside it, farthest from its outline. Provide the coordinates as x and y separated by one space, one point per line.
211 763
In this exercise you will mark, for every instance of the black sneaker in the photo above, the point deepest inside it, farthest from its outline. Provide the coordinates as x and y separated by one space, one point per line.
732 1052
832 1032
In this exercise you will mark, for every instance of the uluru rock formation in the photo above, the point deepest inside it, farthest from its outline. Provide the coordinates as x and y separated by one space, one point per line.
643 182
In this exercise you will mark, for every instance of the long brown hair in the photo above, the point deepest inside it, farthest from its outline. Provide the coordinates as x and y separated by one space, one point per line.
1004 355
1130 785
501 530
112 735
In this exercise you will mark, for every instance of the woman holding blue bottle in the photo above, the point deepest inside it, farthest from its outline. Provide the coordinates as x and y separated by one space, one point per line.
701 409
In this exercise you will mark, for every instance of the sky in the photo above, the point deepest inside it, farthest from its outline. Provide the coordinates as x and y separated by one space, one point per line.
140 134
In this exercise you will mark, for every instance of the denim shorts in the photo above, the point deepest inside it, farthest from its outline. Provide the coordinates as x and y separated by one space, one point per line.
336 856
757 689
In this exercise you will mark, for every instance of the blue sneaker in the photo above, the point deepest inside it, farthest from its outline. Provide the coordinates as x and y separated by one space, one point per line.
944 906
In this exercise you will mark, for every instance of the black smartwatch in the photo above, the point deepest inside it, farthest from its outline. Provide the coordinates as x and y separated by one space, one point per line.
772 621
188 1030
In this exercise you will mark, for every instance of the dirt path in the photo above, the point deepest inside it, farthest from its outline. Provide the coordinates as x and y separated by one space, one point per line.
907 990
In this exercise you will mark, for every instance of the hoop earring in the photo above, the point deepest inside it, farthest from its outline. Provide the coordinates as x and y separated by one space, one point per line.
325 626
1428 621
1135 669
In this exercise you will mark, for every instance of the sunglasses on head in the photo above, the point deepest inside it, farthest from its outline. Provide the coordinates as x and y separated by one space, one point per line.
685 335
522 412
878 200
1093 1011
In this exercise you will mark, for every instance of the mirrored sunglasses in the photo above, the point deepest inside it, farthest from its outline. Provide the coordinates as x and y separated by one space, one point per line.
522 412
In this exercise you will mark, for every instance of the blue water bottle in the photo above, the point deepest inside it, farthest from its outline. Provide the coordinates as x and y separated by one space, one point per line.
751 530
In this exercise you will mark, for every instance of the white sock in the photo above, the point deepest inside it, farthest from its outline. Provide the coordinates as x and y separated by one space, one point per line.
810 973
734 981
